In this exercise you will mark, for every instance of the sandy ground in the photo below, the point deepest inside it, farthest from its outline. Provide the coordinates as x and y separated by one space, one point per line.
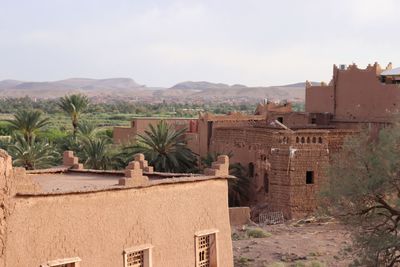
309 244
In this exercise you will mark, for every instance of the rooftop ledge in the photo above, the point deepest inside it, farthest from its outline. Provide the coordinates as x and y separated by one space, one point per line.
65 181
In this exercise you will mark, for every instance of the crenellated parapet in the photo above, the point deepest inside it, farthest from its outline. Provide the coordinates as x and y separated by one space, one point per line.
134 172
71 161
219 167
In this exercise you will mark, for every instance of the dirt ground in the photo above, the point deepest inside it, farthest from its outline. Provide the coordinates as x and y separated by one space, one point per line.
293 244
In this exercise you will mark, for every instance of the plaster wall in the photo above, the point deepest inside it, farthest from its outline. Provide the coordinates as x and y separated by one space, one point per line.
98 226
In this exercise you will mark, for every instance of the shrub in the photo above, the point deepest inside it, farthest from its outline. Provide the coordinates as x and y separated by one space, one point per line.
257 233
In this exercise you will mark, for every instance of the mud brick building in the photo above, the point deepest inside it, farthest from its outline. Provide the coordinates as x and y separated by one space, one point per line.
286 152
69 216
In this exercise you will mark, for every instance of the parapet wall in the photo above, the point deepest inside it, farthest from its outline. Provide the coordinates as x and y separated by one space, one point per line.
356 95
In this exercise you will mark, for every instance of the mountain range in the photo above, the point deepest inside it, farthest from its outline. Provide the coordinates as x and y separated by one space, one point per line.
128 89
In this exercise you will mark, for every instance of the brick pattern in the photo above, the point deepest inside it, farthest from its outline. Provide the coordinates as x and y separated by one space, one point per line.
281 159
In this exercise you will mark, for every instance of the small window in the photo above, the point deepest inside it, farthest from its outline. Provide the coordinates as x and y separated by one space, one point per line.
69 262
308 140
297 139
251 169
206 250
320 140
313 120
302 140
309 177
138 256
266 183
314 139
280 119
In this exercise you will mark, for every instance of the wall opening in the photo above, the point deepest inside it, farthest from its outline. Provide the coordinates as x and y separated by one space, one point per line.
251 169
280 119
266 183
138 256
206 250
309 177
70 262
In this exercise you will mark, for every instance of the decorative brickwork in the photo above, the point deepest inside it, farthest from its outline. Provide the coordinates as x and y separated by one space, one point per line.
134 172
70 160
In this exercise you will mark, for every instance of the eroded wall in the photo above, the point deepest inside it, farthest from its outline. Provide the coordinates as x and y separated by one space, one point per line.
97 227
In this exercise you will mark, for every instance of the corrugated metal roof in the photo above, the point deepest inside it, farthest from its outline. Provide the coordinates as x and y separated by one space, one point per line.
391 72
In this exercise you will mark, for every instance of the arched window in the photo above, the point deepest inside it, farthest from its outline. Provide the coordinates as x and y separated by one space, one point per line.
302 140
251 169
320 140
266 183
314 139
297 139
308 140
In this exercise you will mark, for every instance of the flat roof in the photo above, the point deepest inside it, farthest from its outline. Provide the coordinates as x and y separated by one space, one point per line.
392 72
63 181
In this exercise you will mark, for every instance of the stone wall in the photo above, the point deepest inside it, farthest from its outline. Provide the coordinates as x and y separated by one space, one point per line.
239 216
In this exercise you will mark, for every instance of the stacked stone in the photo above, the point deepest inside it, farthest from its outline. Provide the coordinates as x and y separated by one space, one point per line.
134 172
70 160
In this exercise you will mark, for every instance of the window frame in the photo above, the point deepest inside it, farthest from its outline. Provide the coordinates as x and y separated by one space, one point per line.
214 259
147 254
59 262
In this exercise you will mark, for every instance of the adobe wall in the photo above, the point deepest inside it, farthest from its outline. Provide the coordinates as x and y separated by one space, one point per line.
98 226
355 95
123 135
281 160
239 216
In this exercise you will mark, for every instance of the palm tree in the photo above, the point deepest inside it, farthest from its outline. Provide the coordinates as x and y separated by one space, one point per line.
165 148
32 154
95 151
238 191
74 105
28 122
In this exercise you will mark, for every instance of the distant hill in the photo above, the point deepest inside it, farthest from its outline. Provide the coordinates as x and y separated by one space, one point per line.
128 89
203 85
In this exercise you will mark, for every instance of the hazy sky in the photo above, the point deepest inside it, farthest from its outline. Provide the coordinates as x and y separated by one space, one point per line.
161 42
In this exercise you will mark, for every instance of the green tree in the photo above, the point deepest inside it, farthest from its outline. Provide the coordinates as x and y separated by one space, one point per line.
165 148
32 154
96 154
28 123
73 106
363 190
239 188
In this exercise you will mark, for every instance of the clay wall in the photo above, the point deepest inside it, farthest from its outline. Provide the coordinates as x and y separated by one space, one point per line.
123 135
239 216
97 227
281 160
355 95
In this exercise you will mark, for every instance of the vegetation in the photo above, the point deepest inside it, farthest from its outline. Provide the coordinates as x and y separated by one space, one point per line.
364 192
257 233
74 105
32 154
28 123
165 148
239 188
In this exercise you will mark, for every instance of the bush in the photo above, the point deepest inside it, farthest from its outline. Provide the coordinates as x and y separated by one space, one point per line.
257 233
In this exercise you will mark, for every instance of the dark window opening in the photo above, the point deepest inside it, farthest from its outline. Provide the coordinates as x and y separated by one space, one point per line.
309 177
251 169
313 120
314 139
320 140
302 140
297 139
280 119
266 183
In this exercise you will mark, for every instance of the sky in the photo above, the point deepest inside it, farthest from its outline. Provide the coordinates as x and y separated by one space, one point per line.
161 42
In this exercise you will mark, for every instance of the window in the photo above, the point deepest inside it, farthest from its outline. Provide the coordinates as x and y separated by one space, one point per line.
309 177
280 119
70 262
251 169
138 256
266 183
320 140
206 249
313 120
